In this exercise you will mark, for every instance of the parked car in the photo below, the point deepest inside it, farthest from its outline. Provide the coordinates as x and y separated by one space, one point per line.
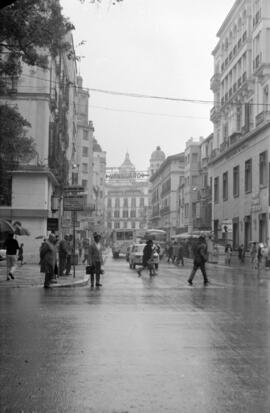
2 254
136 256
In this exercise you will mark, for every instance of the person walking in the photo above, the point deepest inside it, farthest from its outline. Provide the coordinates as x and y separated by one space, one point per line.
95 260
241 253
170 252
79 245
11 245
68 239
20 254
62 254
253 257
180 254
47 260
147 257
85 250
228 254
200 257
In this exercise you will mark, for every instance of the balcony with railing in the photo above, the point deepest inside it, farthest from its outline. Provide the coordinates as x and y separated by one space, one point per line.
215 113
262 117
234 137
165 210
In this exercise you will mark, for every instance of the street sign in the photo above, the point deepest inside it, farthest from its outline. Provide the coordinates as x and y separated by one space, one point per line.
74 202
66 223
52 224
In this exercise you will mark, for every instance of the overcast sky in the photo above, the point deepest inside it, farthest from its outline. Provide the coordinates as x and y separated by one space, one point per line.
149 47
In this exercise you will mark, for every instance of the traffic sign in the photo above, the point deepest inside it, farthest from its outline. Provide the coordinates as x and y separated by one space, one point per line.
74 202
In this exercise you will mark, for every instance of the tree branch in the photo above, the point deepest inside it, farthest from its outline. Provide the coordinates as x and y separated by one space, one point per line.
6 3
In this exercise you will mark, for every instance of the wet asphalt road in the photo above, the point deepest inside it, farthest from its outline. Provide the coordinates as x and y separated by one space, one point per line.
138 345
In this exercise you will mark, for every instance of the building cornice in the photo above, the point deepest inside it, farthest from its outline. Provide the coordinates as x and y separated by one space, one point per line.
236 147
36 170
228 17
168 160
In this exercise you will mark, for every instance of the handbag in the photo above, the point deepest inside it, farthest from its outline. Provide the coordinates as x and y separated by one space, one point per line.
90 269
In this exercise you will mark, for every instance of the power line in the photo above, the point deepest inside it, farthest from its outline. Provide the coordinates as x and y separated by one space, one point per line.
143 96
146 113
139 95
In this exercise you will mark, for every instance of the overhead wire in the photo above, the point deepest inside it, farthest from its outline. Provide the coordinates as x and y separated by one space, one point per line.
140 95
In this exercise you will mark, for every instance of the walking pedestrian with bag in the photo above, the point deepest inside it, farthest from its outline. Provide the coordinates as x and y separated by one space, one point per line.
147 261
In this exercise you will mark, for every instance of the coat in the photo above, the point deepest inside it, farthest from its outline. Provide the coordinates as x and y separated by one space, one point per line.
47 255
94 254
147 254
200 254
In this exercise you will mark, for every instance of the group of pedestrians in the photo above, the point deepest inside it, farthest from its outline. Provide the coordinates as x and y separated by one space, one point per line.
259 254
55 259
175 253
200 257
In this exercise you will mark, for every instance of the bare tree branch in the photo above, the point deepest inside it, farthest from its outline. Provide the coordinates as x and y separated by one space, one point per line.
5 3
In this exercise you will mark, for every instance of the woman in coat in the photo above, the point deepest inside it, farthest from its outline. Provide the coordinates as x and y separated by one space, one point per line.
48 259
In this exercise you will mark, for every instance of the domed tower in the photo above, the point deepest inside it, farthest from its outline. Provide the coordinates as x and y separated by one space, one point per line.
127 165
157 158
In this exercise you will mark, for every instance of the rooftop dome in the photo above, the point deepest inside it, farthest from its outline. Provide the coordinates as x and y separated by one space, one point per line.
127 165
158 155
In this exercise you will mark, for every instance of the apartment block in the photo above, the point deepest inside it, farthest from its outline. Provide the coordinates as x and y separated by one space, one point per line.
164 186
239 161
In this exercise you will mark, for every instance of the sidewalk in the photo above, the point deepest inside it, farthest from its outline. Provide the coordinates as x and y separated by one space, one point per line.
29 275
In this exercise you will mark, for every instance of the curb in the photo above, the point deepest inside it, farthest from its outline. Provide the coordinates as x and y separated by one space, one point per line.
79 283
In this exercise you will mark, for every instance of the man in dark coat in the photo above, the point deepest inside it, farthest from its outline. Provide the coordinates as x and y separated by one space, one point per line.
63 252
11 245
147 256
95 260
47 255
200 256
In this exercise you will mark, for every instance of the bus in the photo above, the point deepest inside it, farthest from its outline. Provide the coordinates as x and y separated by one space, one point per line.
121 239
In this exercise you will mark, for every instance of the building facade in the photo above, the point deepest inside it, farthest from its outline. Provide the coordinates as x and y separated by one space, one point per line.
99 177
164 186
47 99
239 162
126 197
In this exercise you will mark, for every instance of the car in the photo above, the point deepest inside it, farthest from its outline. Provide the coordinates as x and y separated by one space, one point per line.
2 254
136 256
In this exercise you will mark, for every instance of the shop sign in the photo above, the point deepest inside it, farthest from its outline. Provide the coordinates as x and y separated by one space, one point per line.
256 205
52 224
227 225
116 174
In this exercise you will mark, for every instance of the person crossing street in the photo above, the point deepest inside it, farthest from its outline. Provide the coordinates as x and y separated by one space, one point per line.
11 245
200 257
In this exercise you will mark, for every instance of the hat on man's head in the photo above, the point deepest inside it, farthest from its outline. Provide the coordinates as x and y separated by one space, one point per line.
150 241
